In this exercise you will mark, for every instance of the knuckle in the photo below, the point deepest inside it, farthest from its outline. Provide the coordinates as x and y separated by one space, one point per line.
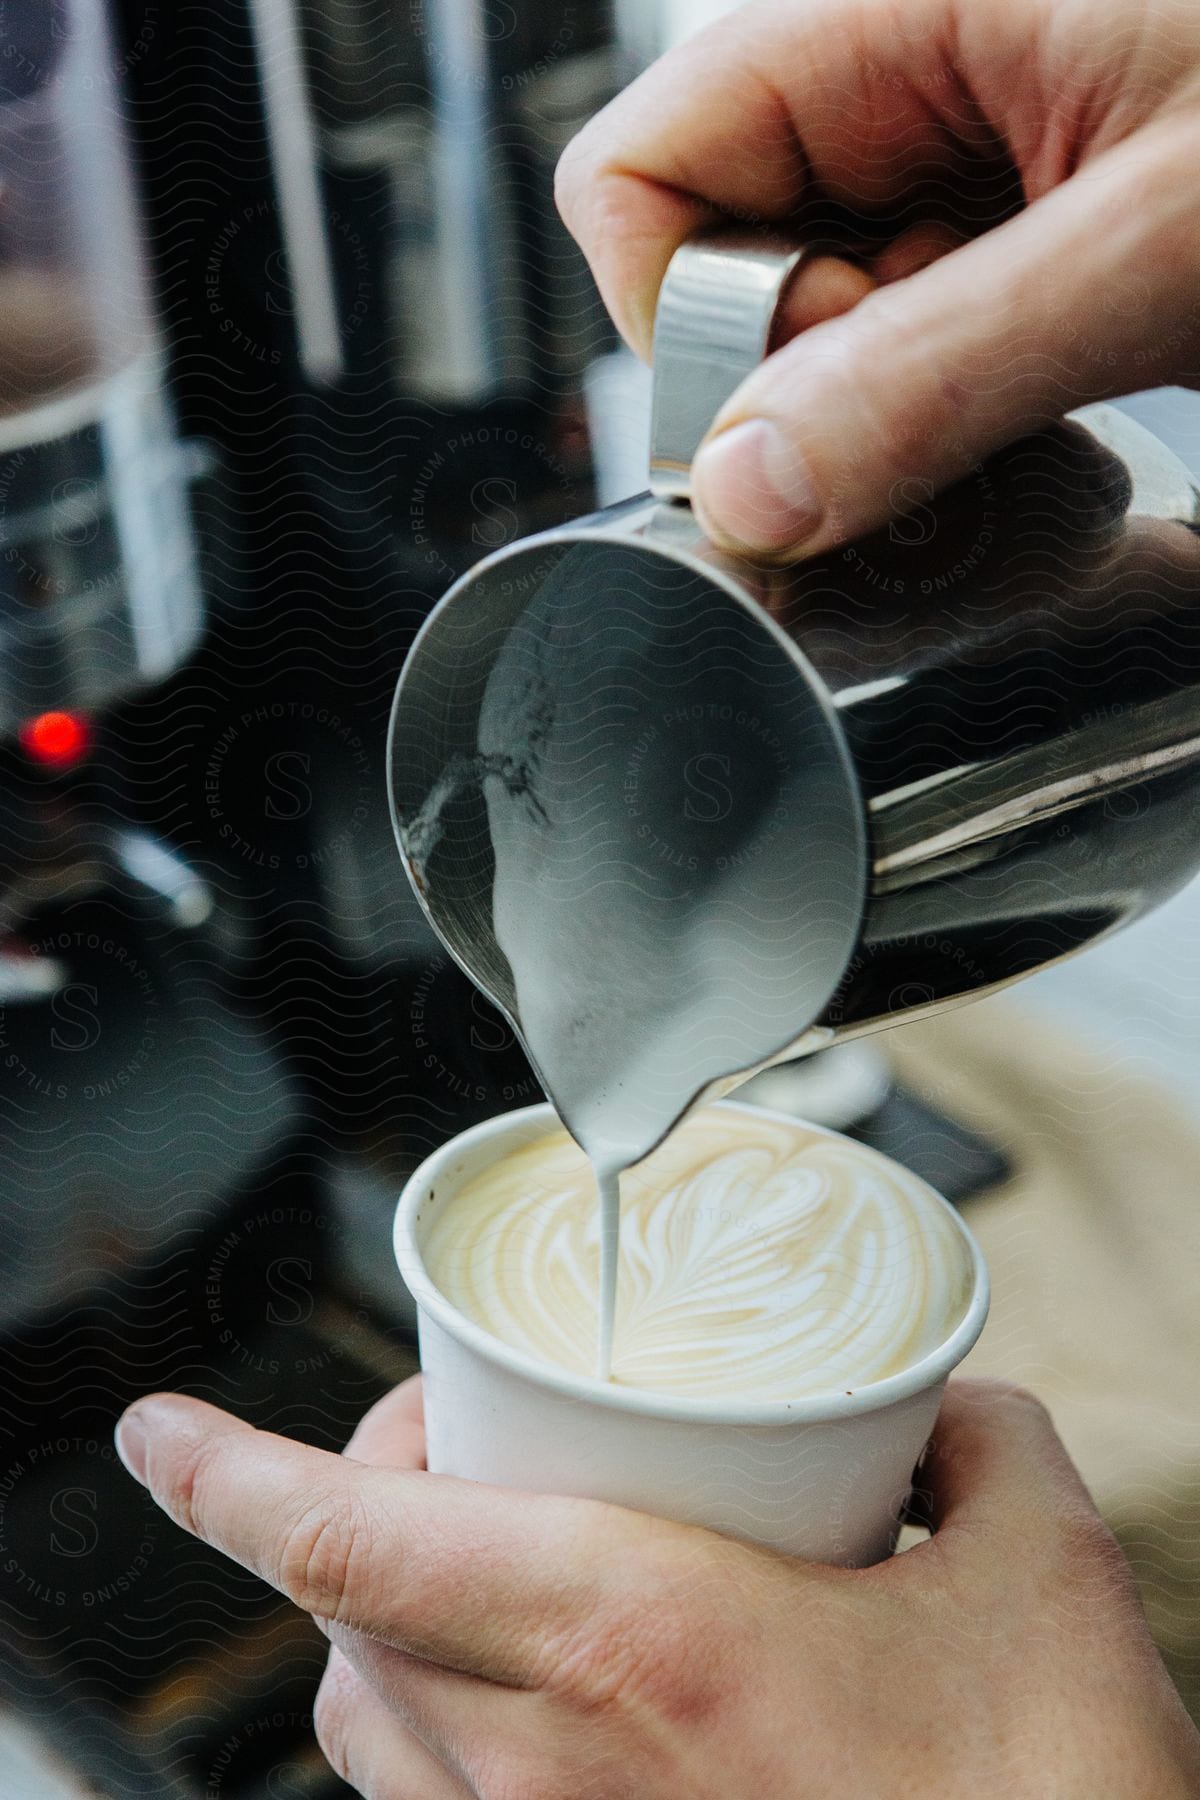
187 1490
651 1650
566 185
592 194
325 1555
574 176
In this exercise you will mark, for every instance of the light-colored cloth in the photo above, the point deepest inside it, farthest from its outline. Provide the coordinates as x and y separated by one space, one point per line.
1094 1252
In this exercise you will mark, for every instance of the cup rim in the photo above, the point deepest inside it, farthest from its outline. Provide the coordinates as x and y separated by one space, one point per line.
531 1122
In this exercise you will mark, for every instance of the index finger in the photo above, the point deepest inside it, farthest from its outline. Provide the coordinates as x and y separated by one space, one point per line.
449 1570
746 117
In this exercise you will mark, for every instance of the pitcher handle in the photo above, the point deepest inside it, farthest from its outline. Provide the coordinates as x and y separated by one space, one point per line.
717 308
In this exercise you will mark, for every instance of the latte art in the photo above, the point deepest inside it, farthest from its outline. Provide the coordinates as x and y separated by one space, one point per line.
758 1259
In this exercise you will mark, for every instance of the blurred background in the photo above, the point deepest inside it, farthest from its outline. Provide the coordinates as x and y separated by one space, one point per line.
289 336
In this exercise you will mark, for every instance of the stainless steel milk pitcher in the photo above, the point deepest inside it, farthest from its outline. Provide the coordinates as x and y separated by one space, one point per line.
985 718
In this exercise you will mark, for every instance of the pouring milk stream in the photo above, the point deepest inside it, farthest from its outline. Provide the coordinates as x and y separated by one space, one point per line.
646 791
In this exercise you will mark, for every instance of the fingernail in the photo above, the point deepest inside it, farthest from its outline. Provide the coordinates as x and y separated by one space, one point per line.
751 486
131 1444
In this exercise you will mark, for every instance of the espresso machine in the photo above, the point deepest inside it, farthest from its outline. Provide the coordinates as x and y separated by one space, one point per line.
289 336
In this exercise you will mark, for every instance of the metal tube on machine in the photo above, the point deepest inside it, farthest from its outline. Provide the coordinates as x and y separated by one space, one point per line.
294 157
471 251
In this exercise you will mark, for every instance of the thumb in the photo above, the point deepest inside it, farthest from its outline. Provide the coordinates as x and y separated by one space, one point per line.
1088 293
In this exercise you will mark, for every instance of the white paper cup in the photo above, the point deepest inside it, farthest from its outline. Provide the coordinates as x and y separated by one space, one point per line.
823 1477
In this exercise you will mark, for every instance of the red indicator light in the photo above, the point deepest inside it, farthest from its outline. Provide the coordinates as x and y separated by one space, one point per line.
56 739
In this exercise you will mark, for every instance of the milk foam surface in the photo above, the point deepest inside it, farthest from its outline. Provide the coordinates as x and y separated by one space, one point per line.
758 1259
